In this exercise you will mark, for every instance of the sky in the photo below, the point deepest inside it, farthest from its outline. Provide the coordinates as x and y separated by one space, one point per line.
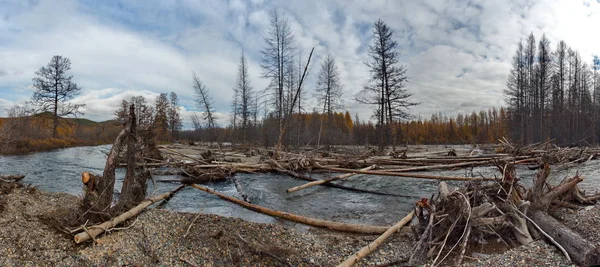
457 53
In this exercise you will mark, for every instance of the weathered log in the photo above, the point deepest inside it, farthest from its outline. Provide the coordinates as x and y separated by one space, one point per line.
339 177
443 166
337 226
408 175
366 250
185 156
280 169
94 231
580 249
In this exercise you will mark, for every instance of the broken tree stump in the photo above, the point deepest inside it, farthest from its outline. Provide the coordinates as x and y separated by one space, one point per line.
581 250
99 190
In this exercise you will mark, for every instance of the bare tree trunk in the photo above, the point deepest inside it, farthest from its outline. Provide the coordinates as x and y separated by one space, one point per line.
55 118
134 185
99 190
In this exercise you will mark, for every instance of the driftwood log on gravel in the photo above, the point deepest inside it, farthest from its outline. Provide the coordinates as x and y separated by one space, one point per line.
581 250
337 226
505 209
363 252
93 231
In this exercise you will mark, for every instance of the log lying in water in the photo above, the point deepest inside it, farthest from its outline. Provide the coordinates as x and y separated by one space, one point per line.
280 169
337 226
363 252
339 177
443 166
408 175
101 228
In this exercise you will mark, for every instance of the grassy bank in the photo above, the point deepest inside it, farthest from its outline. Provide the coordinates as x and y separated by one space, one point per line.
28 145
30 134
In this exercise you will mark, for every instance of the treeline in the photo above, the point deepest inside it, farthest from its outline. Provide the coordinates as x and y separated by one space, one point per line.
282 104
553 93
22 132
163 117
308 129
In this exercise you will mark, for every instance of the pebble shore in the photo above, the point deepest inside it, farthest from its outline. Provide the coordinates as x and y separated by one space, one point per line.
30 235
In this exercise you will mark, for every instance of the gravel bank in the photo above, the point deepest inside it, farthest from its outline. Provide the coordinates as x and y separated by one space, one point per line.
30 235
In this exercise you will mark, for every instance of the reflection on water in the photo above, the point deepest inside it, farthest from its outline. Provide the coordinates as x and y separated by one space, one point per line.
60 171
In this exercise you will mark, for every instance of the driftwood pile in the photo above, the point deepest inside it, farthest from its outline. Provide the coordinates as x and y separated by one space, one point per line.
504 209
447 223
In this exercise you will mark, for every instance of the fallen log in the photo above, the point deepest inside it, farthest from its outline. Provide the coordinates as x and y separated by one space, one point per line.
324 181
443 166
94 231
580 249
184 155
366 250
408 175
337 226
280 169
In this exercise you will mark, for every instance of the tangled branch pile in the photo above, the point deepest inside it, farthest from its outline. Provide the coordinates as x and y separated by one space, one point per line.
449 223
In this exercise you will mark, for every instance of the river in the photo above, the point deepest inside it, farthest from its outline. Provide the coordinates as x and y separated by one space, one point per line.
60 171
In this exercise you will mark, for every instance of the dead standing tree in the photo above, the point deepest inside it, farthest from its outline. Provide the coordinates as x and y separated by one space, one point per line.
99 190
54 88
294 100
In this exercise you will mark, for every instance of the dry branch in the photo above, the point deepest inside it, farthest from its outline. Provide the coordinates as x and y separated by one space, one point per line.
337 226
339 177
363 252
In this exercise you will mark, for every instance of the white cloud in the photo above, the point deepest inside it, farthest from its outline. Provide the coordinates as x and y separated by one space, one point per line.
457 53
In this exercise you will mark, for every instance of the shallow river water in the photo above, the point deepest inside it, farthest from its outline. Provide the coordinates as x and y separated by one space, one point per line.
60 171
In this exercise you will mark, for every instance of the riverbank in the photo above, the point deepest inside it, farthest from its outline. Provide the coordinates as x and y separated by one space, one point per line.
27 145
33 233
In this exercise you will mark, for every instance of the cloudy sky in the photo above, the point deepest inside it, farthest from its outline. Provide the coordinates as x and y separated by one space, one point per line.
457 53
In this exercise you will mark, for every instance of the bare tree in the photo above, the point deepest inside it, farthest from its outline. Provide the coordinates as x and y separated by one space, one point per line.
243 93
275 58
386 89
328 94
173 116
205 103
12 128
161 121
293 103
144 112
196 123
54 89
